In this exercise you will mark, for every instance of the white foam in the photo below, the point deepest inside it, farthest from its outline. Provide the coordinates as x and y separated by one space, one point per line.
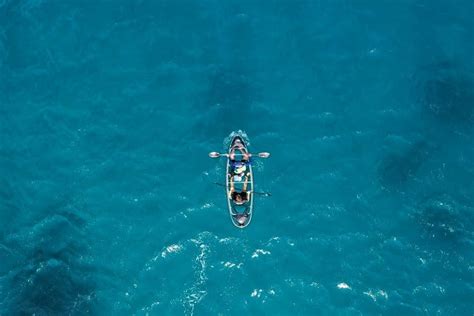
260 252
197 291
343 285
207 205
230 265
256 293
275 239
383 294
440 288
371 295
377 294
170 249
226 240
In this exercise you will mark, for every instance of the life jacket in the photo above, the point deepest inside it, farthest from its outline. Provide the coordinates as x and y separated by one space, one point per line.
239 167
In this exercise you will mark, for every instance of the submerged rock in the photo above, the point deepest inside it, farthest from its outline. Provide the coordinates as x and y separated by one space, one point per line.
397 167
450 99
53 275
443 219
446 93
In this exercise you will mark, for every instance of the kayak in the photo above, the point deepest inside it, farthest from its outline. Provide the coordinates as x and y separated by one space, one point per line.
240 214
239 182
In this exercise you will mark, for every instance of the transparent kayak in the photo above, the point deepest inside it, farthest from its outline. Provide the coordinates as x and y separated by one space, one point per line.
240 214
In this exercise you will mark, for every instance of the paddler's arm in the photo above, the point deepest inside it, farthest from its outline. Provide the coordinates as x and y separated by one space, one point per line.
245 187
247 176
246 154
232 189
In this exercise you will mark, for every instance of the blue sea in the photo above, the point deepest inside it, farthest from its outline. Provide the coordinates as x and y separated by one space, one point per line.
108 201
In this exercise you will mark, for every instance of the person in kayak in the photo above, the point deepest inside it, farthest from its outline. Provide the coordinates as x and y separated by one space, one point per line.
240 167
238 170
240 147
242 197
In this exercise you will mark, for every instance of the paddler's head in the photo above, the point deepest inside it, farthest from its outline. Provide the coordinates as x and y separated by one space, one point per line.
238 198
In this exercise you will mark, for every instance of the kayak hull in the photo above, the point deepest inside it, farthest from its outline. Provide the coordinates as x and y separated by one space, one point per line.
240 215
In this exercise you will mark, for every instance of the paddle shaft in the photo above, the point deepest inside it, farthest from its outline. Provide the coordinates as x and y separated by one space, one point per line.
215 154
259 193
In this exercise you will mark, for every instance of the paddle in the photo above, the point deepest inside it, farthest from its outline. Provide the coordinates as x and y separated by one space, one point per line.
259 193
214 154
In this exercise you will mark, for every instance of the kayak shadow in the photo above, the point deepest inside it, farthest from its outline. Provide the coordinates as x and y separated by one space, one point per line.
399 166
445 222
49 278
231 88
449 100
230 102
446 95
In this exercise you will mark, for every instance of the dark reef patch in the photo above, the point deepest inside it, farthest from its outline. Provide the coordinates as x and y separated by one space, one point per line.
231 102
398 167
450 99
444 221
8 197
446 94
231 89
51 275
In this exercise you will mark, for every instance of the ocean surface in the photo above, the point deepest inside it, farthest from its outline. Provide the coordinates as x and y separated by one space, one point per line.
108 110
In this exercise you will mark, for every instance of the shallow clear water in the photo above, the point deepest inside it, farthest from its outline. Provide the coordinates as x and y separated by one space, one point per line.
108 111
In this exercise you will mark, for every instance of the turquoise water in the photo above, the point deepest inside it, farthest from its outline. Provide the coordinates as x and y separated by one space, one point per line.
108 111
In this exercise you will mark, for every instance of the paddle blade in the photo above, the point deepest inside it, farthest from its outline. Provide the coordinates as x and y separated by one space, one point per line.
264 155
214 154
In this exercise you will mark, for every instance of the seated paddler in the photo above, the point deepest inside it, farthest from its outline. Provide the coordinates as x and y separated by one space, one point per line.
243 196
